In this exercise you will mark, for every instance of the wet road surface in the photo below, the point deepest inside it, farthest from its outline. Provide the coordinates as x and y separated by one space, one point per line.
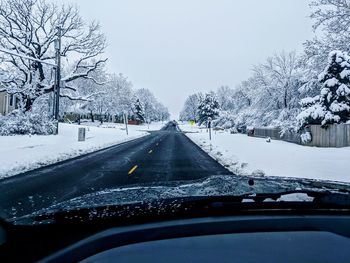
163 156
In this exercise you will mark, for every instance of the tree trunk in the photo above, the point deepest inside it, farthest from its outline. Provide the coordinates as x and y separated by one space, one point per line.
285 99
28 104
92 116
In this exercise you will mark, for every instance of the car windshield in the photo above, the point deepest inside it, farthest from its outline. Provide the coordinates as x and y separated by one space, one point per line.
107 103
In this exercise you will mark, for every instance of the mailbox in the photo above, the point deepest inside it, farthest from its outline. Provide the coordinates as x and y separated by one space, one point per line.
81 134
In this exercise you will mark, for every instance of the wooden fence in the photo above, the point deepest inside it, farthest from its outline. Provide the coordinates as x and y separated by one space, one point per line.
336 135
275 133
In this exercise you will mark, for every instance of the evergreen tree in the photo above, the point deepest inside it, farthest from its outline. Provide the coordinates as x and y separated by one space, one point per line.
333 103
208 107
139 111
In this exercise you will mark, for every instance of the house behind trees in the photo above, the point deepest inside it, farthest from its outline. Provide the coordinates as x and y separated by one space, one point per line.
8 103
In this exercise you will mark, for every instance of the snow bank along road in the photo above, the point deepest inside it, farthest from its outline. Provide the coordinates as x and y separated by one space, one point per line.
245 155
163 156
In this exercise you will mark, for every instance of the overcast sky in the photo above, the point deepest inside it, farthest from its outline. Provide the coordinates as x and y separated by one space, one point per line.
176 48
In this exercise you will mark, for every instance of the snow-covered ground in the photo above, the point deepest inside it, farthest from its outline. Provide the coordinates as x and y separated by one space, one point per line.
22 153
248 155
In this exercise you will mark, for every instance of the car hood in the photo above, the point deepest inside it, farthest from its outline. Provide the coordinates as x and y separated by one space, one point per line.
211 186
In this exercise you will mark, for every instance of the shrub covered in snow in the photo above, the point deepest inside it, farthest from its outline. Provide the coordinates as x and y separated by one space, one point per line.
233 130
26 123
333 103
284 119
225 120
306 137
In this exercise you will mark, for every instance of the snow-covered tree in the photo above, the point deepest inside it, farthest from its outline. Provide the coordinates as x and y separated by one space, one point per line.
279 81
332 105
30 28
152 110
225 96
98 104
269 97
332 25
114 98
138 111
243 95
148 102
162 113
190 108
208 107
120 94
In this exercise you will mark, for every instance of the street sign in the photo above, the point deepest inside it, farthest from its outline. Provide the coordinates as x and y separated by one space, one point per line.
209 127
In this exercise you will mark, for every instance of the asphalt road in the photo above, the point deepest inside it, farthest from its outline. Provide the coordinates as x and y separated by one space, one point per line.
163 156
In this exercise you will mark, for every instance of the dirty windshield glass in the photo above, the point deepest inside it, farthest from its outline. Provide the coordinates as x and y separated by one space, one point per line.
118 102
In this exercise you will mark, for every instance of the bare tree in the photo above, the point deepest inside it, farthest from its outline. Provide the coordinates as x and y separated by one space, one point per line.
29 28
276 81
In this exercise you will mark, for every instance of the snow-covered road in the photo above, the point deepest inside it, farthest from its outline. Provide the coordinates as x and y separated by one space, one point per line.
22 153
248 155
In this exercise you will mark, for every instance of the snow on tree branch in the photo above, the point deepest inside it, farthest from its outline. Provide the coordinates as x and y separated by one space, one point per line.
88 98
333 103
30 28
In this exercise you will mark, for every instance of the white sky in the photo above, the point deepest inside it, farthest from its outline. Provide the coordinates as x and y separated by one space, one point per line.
176 48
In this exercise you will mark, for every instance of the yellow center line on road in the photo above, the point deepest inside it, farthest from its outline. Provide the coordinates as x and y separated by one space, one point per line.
150 151
132 170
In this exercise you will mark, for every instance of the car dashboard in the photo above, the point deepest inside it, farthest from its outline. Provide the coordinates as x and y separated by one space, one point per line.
304 238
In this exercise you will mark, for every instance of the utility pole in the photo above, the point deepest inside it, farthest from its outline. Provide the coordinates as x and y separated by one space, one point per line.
58 74
126 123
